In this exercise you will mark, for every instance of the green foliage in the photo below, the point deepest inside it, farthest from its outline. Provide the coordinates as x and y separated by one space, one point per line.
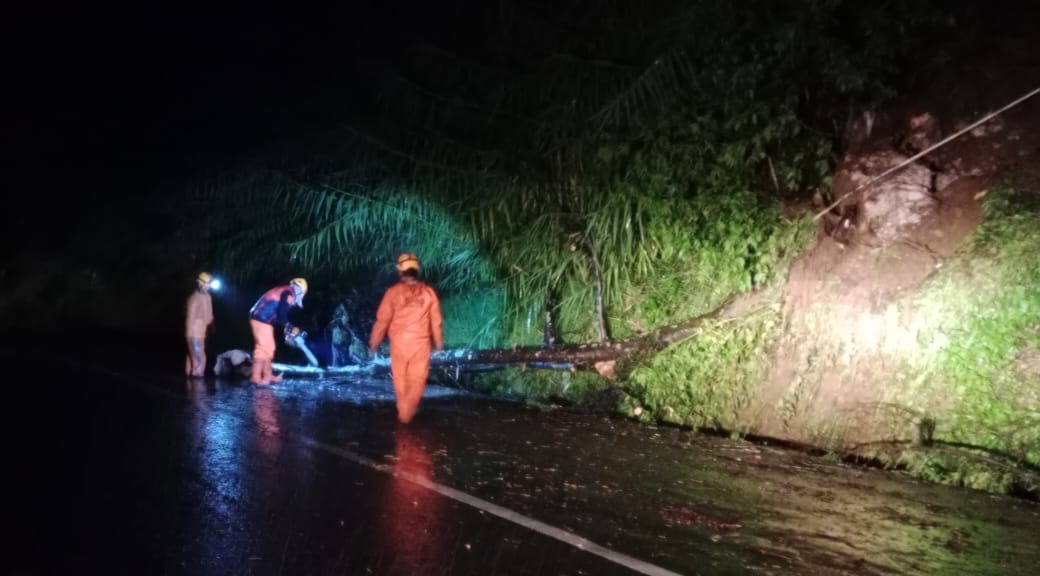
970 469
710 249
337 224
957 466
980 346
644 161
539 385
704 381
473 319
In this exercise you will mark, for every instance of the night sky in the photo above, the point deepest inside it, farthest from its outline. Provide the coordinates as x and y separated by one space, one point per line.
113 100
112 108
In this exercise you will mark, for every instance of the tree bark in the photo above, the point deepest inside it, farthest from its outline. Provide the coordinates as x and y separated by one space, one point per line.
549 334
575 356
581 355
597 287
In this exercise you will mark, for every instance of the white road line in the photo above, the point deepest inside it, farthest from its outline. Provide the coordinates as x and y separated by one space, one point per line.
560 534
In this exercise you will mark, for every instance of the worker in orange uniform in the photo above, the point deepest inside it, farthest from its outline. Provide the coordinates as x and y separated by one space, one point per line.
411 314
198 317
272 309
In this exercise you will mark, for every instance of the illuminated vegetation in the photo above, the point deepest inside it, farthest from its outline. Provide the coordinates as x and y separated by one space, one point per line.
976 371
631 175
622 178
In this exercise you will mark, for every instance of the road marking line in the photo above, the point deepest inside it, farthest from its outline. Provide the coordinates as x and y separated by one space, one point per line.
560 534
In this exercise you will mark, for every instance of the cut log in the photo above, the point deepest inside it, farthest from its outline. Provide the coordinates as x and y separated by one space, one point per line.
597 356
582 355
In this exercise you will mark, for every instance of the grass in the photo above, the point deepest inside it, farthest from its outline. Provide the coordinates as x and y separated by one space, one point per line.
980 342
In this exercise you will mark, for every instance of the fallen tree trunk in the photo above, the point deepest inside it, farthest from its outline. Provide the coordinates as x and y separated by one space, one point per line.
582 355
600 356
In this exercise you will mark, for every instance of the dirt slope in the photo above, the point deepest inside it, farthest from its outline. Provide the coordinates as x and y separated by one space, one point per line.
848 301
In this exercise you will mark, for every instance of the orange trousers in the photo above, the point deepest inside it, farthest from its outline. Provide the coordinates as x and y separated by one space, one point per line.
263 338
409 366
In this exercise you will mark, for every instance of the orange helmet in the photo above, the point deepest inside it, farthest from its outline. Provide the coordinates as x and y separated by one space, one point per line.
407 261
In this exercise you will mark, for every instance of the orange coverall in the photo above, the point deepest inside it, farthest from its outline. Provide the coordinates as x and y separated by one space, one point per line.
410 314
197 318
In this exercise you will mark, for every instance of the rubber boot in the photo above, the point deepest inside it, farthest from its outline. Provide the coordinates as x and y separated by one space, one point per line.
200 367
257 376
269 377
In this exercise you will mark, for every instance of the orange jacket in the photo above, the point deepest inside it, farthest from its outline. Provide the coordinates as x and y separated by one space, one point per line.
408 313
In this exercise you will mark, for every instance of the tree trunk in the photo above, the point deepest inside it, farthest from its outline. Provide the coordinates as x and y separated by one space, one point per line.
581 355
599 355
597 287
549 335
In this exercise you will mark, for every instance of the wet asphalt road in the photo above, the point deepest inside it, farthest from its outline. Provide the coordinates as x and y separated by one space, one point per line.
169 476
131 472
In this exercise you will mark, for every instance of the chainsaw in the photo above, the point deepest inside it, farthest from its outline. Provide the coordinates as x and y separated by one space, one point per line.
297 338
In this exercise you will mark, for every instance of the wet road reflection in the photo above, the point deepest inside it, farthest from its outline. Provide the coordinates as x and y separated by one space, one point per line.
156 475
412 522
265 411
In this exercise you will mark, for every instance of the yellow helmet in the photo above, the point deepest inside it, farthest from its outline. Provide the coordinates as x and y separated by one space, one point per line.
407 261
204 278
301 285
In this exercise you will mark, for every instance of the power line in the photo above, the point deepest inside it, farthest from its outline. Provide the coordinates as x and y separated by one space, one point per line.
931 148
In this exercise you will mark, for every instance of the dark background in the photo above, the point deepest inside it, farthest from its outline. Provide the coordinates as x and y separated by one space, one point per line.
111 107
112 101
